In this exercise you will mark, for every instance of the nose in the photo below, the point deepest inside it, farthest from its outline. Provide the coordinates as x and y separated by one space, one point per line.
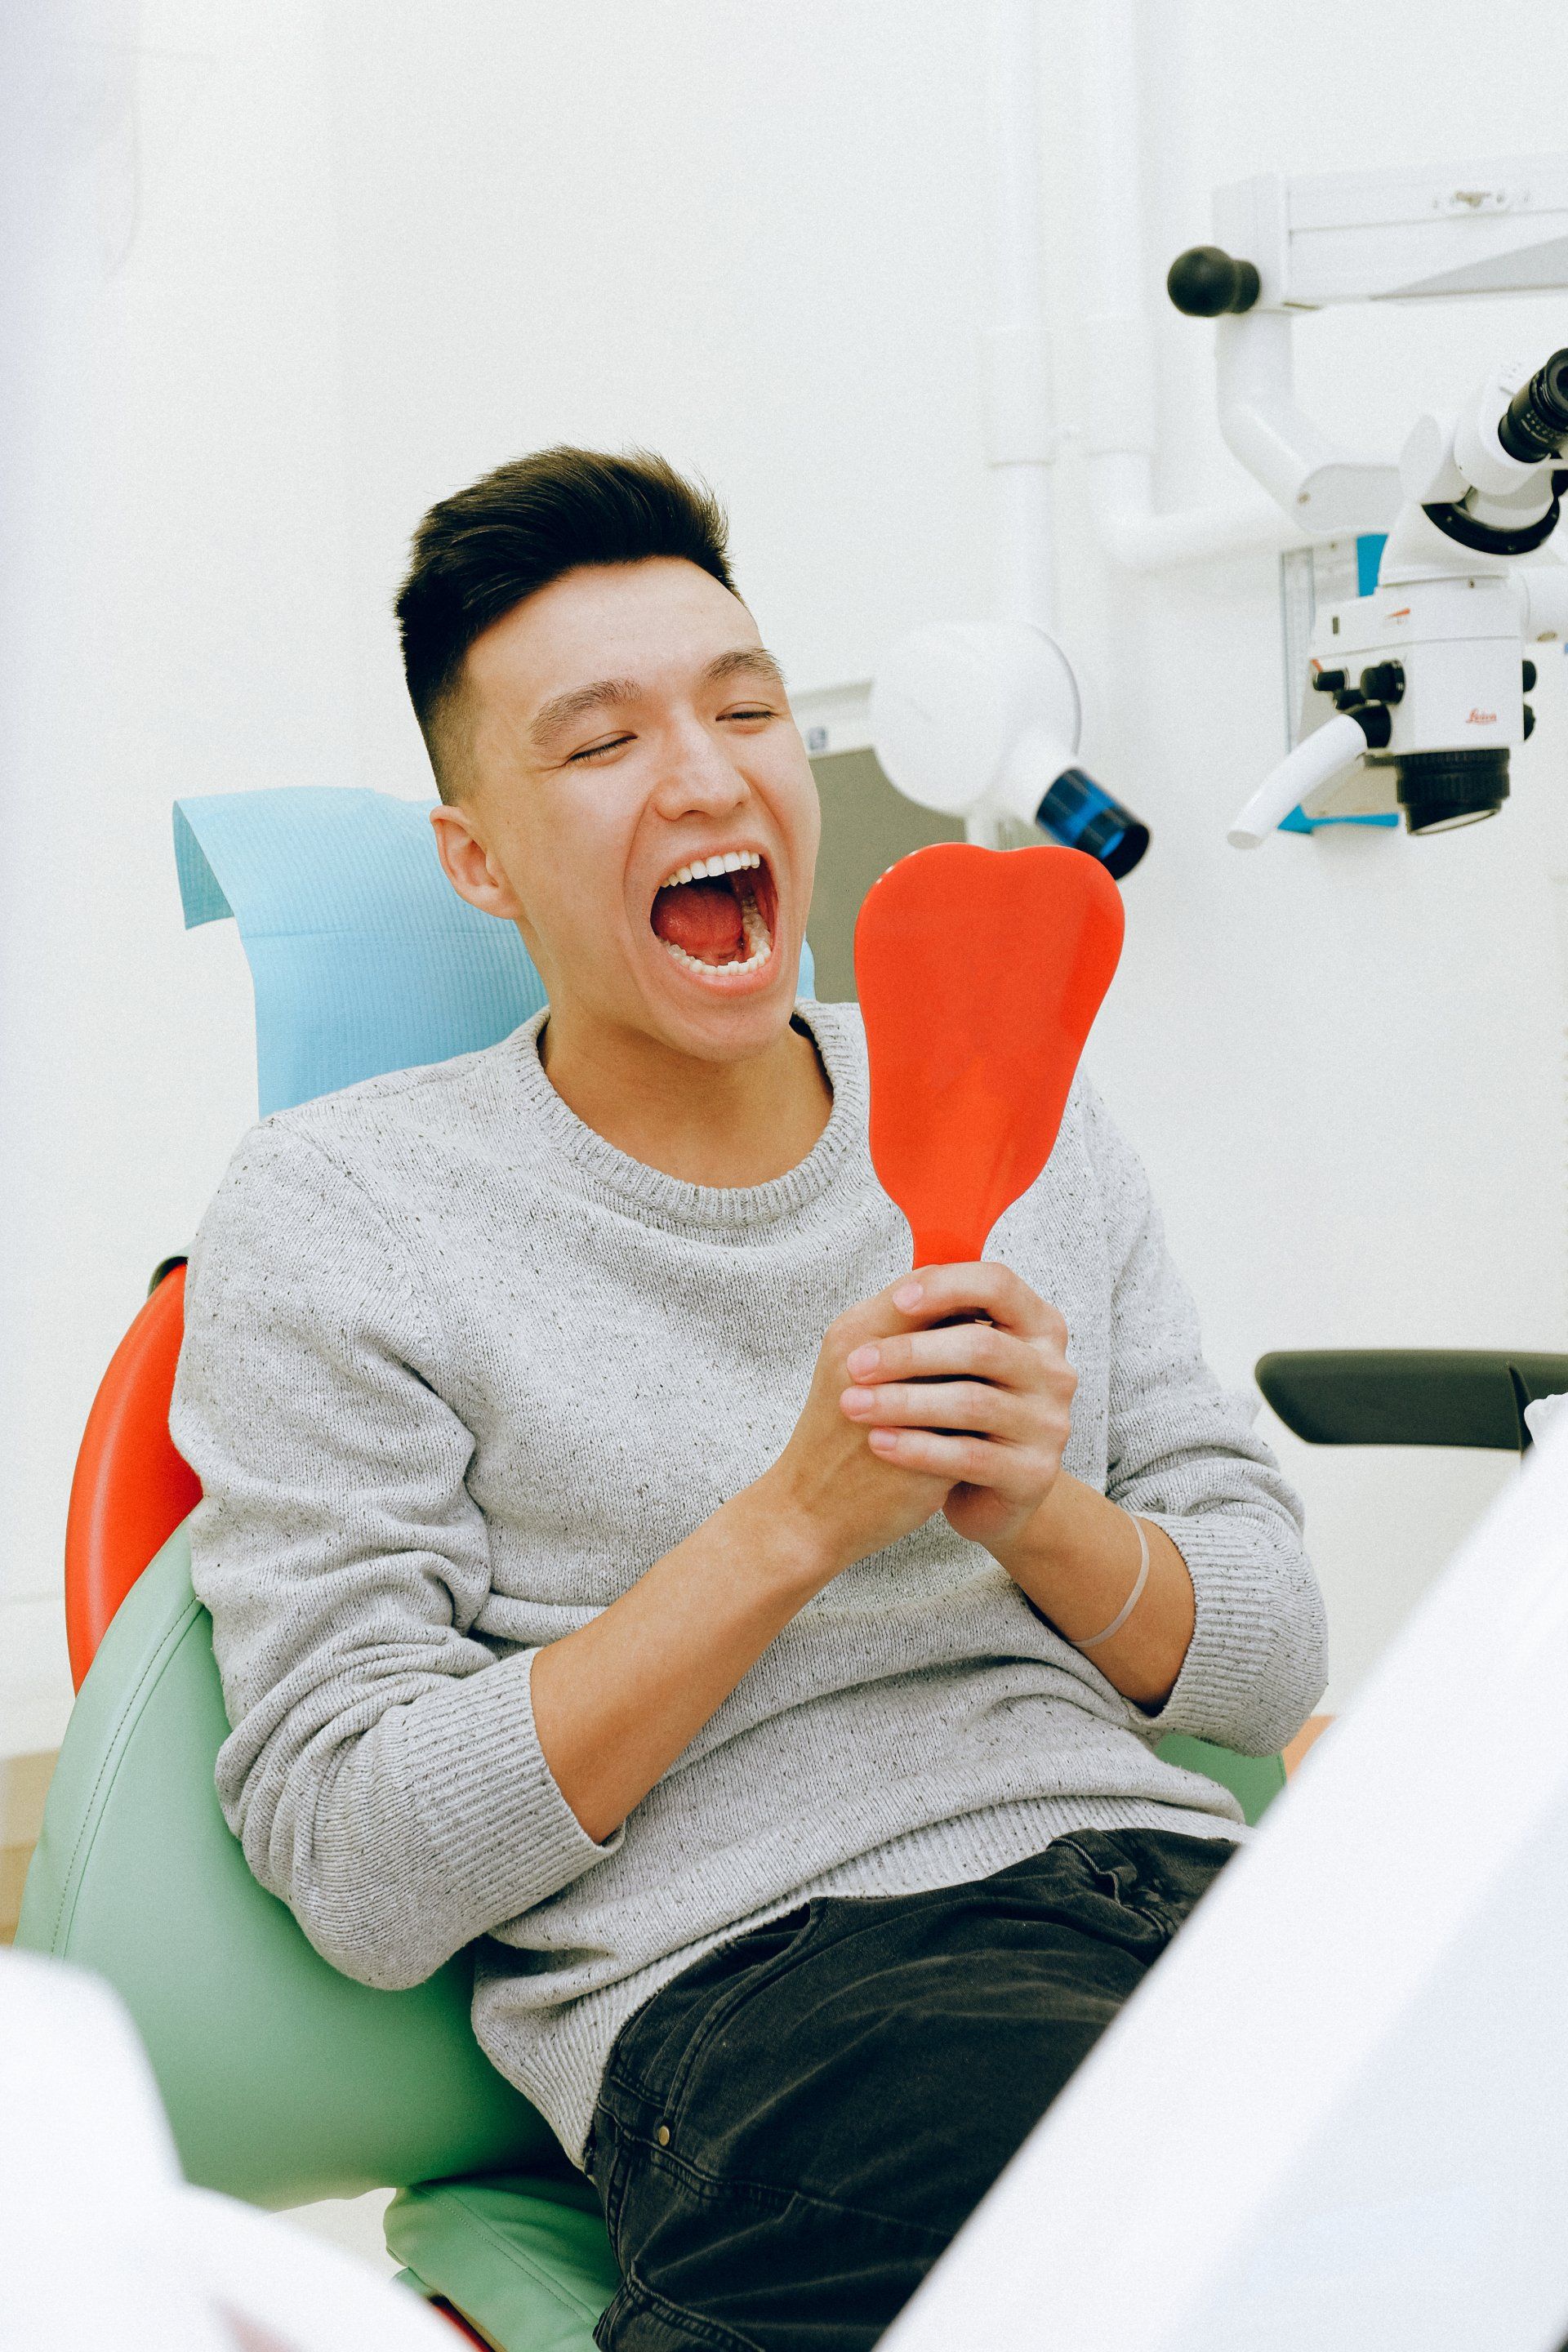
698 778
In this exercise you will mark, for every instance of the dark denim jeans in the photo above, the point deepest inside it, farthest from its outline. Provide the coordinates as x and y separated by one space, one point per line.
790 2133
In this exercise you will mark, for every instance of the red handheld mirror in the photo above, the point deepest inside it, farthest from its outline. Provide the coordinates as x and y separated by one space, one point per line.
979 973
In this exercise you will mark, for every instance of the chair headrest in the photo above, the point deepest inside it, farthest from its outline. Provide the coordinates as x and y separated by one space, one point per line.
362 956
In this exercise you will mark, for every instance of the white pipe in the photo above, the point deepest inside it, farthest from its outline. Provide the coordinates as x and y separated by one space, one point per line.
1133 535
1315 759
1023 529
1111 172
1317 489
1020 426
1013 118
1120 436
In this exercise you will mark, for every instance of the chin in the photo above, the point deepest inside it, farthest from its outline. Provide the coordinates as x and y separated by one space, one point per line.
719 1019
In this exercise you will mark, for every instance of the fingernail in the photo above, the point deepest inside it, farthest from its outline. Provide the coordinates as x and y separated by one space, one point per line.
856 1400
863 1361
882 1441
907 1294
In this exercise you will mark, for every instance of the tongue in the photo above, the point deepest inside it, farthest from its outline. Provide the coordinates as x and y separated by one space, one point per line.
703 918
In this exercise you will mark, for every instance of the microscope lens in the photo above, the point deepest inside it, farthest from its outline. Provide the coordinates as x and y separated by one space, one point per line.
1440 790
1535 422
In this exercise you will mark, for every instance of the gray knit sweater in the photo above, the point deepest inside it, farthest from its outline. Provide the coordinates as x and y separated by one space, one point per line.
456 1372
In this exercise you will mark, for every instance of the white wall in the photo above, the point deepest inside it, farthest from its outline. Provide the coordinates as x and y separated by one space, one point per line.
322 262
175 599
1342 1058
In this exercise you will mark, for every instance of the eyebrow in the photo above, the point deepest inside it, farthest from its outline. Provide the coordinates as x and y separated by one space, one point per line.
606 693
745 661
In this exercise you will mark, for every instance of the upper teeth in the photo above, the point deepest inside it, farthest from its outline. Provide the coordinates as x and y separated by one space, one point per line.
703 869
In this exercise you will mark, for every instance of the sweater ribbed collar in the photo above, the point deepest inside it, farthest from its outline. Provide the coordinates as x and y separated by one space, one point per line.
737 1211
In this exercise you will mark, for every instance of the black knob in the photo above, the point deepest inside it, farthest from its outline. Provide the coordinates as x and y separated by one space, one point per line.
1328 681
1529 678
1349 697
1529 722
1376 724
1383 682
1203 281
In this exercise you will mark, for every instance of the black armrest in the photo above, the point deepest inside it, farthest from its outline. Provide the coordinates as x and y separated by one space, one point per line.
1409 1396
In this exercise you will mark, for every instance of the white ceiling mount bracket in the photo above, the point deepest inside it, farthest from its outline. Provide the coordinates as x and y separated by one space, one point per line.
1284 246
1300 243
1321 488
1499 226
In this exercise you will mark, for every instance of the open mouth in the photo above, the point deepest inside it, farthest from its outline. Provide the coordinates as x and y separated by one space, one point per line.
717 915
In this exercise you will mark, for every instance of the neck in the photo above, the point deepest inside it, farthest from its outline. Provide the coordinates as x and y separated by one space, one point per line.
725 1124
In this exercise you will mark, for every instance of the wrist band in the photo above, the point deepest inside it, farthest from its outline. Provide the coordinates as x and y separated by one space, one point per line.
1132 1599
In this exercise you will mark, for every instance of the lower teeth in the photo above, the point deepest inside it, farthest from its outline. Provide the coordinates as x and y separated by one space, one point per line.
752 963
756 935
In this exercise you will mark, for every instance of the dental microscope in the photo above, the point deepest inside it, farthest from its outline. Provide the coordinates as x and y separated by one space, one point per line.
1414 694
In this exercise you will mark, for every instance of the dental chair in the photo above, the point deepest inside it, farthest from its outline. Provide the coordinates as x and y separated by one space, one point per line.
284 2081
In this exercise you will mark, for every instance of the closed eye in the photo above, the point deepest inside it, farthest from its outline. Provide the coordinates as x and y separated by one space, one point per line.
750 714
598 751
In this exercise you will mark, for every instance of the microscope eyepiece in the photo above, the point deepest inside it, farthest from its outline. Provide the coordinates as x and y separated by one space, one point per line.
1534 424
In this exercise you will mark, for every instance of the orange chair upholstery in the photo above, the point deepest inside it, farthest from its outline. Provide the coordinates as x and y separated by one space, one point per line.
131 1489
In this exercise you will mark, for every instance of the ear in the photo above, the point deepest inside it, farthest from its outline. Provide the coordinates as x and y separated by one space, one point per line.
469 866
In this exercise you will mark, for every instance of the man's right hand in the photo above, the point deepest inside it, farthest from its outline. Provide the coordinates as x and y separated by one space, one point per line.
827 1484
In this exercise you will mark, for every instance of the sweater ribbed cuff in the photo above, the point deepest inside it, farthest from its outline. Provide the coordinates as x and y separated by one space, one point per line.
501 1833
1216 1693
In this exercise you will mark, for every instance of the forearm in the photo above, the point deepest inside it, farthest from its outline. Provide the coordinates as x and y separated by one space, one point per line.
617 1701
483 1785
1076 1559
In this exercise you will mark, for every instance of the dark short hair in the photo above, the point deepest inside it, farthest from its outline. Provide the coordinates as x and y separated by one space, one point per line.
483 551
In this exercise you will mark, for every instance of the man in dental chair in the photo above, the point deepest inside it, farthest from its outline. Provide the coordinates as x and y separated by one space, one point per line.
619 1561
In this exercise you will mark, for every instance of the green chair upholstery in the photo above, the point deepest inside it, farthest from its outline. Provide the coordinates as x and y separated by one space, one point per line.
526 2262
285 2080
1253 1780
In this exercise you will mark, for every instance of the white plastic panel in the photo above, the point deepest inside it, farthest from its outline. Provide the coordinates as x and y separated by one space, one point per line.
1333 2115
1353 236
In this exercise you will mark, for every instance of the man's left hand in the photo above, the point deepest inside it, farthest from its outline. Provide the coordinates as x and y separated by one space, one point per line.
979 1390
